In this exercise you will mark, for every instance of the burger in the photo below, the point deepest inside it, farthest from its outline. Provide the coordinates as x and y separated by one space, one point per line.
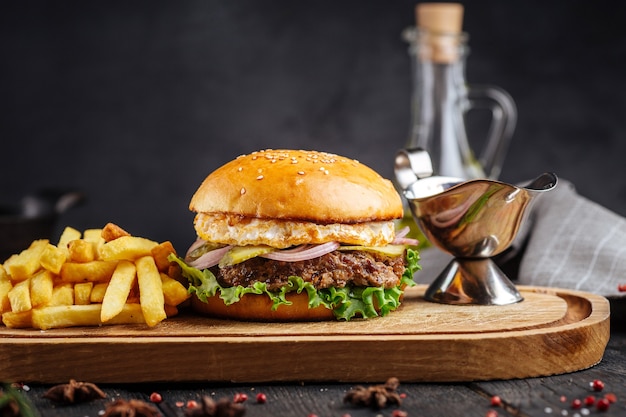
294 235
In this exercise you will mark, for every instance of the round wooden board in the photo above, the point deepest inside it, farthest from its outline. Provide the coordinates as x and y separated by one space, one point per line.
552 331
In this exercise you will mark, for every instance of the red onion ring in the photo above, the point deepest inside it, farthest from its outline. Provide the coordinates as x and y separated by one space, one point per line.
209 259
302 255
195 245
403 232
405 241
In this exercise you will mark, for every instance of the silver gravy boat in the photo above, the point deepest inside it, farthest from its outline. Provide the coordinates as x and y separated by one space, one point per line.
472 220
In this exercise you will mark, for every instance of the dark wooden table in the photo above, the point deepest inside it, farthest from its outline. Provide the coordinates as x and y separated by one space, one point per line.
537 397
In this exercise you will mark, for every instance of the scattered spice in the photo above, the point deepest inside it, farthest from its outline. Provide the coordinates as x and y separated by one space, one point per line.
621 288
612 398
130 408
603 404
156 398
399 413
597 385
576 404
261 398
375 396
221 408
590 400
240 397
491 413
496 401
74 392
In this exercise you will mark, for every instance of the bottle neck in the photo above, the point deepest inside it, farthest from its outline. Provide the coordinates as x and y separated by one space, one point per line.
440 101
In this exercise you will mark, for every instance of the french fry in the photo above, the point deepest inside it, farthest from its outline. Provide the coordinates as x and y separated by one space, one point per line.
98 291
53 258
118 289
174 292
105 276
94 236
82 293
22 266
81 251
84 315
94 271
62 295
69 234
19 297
171 311
160 253
150 291
111 231
5 287
19 320
126 247
41 288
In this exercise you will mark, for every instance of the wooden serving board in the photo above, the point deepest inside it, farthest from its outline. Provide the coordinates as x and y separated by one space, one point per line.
552 331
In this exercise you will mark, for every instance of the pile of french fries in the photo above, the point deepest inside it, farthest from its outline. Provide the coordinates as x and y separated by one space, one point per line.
100 276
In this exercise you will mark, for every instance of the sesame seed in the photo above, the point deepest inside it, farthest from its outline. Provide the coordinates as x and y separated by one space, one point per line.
260 177
322 168
300 172
254 158
242 191
325 172
294 161
240 169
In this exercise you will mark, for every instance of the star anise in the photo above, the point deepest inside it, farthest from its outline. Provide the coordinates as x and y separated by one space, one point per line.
74 392
221 408
375 396
130 408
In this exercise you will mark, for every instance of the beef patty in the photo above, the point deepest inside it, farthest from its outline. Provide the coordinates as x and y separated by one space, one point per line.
335 269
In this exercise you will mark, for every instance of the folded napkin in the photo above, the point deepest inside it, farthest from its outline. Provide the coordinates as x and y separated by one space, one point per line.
570 242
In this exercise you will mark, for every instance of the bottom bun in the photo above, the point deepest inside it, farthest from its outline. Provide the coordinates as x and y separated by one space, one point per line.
252 307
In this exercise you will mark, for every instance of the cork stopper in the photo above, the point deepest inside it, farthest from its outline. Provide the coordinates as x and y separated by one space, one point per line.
440 17
443 23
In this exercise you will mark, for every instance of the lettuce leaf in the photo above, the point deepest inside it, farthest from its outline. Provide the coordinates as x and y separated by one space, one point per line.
346 303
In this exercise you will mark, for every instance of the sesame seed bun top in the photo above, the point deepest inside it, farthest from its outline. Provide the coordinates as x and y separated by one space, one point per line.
298 185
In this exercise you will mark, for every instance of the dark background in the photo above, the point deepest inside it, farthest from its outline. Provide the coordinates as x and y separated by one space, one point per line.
135 102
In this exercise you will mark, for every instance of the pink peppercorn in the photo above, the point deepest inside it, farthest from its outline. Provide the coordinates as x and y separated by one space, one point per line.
156 398
261 398
597 385
603 404
576 404
590 400
496 401
240 397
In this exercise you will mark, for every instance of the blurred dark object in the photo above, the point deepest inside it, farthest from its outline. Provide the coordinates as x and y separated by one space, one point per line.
33 218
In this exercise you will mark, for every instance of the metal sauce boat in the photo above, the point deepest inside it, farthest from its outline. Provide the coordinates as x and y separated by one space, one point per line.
472 220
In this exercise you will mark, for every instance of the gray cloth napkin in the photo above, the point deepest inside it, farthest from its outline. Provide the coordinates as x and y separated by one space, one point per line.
571 243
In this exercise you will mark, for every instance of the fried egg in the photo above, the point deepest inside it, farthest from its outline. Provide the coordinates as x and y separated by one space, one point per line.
241 231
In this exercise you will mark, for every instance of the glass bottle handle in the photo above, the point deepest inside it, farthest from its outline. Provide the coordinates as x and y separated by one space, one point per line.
503 120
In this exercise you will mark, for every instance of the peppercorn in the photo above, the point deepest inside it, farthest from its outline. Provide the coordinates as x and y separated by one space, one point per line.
597 385
603 404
